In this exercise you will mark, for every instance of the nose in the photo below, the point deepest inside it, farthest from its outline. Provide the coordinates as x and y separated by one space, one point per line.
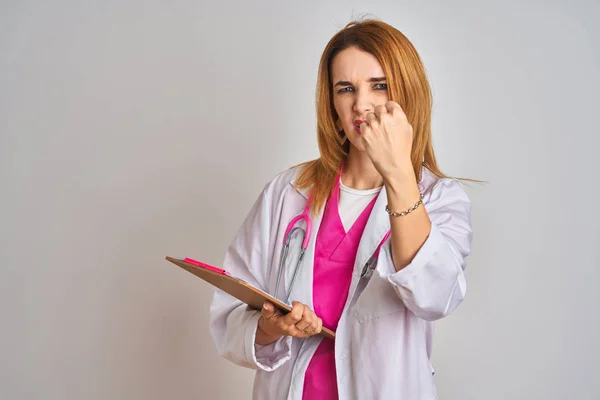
363 103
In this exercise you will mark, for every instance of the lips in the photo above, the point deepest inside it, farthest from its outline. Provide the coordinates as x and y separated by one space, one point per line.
357 124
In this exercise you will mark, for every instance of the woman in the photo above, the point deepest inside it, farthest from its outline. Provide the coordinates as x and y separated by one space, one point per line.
390 234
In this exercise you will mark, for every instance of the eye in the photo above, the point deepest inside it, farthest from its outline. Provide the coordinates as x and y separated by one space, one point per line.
381 86
346 89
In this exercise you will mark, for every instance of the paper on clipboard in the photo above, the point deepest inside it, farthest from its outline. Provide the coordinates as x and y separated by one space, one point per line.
236 287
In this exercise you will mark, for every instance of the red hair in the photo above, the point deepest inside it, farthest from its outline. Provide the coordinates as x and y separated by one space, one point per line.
407 85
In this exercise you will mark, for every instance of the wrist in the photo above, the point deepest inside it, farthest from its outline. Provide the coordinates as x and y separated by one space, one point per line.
401 181
402 189
264 338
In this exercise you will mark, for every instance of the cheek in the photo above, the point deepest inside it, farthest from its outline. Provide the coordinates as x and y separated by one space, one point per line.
384 97
342 107
337 106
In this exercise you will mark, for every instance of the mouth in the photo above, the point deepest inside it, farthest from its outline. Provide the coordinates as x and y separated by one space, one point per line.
357 124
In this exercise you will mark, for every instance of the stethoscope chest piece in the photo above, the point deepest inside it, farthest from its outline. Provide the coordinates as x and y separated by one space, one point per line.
369 267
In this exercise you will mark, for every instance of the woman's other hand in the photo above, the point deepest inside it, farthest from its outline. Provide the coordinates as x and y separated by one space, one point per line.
301 322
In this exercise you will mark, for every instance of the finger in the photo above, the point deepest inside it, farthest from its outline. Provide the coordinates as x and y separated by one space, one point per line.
295 315
319 327
313 328
315 325
380 111
290 330
308 316
306 332
393 108
269 311
365 129
269 320
287 322
302 325
371 119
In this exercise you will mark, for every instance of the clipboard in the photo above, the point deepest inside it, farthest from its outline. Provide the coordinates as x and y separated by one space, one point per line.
237 288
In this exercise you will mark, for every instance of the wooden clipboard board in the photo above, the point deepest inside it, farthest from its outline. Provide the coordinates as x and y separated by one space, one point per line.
239 289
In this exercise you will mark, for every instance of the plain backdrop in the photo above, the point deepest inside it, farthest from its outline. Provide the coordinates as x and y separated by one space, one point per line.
133 130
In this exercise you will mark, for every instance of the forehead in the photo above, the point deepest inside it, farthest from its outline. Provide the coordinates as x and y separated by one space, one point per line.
353 64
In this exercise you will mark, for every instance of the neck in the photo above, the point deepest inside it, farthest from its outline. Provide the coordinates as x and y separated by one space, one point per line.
359 172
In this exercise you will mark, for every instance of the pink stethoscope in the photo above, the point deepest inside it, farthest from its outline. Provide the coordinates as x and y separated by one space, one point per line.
289 232
367 270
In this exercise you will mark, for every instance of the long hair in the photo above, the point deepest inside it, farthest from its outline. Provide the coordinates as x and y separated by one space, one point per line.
407 85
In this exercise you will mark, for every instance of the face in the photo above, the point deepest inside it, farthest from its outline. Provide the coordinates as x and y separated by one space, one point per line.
359 85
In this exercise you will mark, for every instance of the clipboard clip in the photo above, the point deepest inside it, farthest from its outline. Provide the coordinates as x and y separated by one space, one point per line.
206 266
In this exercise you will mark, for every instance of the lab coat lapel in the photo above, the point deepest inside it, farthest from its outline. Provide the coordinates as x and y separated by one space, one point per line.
377 227
303 286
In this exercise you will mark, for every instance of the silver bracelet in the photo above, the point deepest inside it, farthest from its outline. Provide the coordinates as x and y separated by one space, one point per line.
403 213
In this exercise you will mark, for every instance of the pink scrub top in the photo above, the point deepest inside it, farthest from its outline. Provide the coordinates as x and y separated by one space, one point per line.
335 253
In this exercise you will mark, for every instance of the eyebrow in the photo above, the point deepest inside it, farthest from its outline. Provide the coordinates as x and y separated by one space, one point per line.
347 83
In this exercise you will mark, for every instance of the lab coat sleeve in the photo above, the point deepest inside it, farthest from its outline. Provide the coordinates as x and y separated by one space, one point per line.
433 284
233 324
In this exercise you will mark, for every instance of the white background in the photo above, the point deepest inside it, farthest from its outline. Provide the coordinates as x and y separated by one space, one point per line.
135 130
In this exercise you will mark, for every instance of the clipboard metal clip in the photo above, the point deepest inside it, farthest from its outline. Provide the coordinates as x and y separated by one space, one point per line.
209 267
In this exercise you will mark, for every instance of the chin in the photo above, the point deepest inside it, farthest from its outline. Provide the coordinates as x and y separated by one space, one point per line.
357 143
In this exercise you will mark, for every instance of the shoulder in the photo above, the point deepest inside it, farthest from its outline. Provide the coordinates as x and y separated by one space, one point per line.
282 182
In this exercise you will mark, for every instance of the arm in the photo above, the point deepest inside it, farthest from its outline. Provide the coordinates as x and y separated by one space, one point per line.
429 247
432 283
410 231
233 325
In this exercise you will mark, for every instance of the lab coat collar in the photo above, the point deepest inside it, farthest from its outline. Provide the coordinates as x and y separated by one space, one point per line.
304 191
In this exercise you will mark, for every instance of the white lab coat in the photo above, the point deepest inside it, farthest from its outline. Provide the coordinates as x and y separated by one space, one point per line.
384 337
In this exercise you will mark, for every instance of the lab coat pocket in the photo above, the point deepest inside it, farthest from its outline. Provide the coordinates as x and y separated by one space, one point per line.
378 299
